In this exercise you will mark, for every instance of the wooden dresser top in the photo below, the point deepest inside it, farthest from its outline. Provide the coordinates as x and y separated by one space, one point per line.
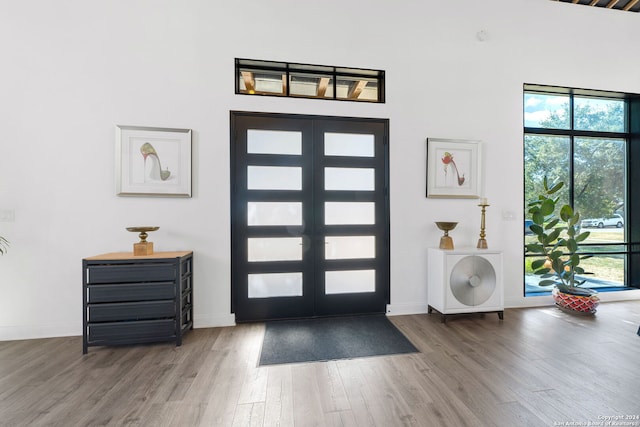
129 255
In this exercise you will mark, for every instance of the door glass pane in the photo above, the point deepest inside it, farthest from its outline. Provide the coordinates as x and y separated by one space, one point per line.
274 178
350 281
268 285
274 142
349 213
274 213
349 247
354 179
275 249
348 144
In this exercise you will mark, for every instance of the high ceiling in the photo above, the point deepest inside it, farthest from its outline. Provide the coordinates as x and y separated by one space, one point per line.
627 5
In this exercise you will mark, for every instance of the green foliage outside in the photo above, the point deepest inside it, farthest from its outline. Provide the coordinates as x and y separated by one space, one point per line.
599 163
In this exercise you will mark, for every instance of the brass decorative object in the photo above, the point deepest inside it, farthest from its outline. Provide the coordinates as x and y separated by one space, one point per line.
446 242
142 247
482 242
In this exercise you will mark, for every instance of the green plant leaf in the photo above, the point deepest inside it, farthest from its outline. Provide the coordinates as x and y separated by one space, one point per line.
547 282
536 264
572 245
547 207
534 203
555 255
582 236
573 220
556 187
551 224
566 213
575 259
552 237
536 229
537 217
535 248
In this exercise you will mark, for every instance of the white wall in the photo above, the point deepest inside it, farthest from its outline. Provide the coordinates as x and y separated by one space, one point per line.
72 70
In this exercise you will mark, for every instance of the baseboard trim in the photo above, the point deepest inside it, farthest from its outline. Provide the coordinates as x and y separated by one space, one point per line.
402 309
214 321
30 332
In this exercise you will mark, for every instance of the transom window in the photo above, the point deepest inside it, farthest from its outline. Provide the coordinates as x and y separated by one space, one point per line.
255 77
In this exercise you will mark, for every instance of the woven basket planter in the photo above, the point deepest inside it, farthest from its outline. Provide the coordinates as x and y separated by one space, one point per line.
583 304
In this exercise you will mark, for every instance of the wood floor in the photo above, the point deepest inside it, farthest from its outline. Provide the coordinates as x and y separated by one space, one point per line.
538 367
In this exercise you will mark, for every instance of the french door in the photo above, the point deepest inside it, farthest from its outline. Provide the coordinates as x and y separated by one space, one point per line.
310 226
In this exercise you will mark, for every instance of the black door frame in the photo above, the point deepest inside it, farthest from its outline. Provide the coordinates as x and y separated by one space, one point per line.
295 307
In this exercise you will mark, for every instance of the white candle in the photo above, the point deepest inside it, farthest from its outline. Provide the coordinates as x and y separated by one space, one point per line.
483 201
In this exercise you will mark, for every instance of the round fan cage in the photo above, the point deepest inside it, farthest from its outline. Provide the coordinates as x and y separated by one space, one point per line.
473 280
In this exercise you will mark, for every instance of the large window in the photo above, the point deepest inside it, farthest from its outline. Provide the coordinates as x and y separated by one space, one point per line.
581 138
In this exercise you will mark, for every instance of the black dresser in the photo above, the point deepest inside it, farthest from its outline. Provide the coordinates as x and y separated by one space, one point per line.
136 299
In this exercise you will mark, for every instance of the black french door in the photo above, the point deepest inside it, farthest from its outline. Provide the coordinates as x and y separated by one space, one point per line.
310 224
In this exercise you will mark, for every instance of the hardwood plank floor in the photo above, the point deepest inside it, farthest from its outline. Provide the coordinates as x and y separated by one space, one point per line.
538 367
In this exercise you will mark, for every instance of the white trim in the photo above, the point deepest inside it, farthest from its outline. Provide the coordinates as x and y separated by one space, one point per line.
214 321
20 332
402 309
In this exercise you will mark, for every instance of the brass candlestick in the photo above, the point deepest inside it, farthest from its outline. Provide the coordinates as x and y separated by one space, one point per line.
482 242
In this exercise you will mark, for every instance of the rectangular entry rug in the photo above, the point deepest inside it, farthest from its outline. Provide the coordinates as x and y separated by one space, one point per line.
331 338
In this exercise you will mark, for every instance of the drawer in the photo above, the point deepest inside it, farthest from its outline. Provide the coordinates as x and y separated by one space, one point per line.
130 292
123 273
130 311
130 332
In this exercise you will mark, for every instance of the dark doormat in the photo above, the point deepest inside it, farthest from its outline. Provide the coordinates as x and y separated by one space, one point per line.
309 340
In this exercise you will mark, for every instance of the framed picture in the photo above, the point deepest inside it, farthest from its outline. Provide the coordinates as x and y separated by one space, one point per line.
153 161
453 168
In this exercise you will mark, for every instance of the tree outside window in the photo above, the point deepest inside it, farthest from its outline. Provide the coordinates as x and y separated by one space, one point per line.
582 141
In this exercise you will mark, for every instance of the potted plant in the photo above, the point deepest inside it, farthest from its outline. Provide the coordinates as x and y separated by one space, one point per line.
4 245
558 236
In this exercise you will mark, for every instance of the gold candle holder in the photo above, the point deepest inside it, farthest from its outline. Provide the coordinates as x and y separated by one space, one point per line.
482 242
446 242
143 247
